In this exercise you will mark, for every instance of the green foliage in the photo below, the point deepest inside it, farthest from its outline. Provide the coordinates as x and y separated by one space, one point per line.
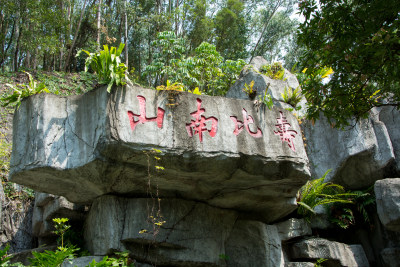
4 257
62 83
319 261
22 91
176 87
266 99
274 71
107 65
360 41
53 258
122 260
273 30
169 51
206 70
5 154
248 89
317 192
358 212
230 30
292 97
202 25
61 227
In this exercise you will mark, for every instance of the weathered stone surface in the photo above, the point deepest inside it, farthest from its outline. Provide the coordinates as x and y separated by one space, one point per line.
194 234
390 116
321 218
84 147
299 264
257 62
81 261
342 254
254 243
17 226
387 192
357 156
293 228
264 84
391 257
47 207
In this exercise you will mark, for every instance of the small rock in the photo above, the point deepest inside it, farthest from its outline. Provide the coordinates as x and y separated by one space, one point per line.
293 228
316 248
81 262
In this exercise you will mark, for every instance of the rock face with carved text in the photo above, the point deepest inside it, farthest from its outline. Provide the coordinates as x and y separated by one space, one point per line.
220 151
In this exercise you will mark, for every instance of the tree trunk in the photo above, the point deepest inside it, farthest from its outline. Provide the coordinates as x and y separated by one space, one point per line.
99 25
17 49
126 34
35 58
75 37
3 56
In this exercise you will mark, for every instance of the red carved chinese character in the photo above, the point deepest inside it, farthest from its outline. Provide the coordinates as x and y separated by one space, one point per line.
199 124
239 125
283 132
141 118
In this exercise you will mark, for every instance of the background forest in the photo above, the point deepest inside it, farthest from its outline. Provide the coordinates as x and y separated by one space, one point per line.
47 34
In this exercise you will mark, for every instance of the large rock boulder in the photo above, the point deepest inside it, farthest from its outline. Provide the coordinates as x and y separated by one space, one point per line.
221 151
357 156
188 233
387 192
338 254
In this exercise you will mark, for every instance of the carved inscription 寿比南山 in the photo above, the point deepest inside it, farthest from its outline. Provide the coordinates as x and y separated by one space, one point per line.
142 118
239 125
199 124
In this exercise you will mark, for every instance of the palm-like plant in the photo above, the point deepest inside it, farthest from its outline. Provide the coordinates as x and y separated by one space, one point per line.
107 65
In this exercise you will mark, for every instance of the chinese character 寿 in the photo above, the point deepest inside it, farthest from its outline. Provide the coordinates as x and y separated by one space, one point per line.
247 119
199 124
141 118
283 132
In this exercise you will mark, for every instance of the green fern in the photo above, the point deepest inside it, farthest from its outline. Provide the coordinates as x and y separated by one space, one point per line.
317 192
292 97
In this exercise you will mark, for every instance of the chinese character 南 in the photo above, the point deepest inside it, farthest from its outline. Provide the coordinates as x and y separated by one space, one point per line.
199 124
141 118
284 133
247 119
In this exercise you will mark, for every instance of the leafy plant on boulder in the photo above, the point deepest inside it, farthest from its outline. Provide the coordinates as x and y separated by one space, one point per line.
107 65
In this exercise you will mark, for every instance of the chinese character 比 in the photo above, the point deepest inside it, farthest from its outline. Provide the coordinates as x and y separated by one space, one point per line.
141 118
284 133
199 124
247 119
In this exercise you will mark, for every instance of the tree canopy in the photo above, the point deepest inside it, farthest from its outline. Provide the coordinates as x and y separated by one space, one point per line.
360 41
